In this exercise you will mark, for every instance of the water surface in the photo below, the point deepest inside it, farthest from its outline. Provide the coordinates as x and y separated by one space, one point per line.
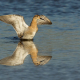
61 40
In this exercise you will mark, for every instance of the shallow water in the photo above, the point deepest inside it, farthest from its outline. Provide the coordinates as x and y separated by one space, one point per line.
61 40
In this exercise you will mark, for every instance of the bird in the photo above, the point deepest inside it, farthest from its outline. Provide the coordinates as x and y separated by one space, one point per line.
24 31
23 49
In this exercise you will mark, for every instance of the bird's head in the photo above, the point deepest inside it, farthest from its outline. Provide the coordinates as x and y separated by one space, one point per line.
41 19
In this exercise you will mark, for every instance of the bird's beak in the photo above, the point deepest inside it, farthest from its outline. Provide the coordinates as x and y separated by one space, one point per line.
43 20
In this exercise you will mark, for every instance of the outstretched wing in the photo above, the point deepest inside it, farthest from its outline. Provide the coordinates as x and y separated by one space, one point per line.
17 22
17 58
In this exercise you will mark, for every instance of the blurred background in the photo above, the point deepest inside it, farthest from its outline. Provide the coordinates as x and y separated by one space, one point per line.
61 40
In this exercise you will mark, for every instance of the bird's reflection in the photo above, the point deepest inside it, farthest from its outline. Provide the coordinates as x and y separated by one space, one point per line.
23 49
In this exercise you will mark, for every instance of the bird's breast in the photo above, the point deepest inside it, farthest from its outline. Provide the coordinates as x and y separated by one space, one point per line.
29 35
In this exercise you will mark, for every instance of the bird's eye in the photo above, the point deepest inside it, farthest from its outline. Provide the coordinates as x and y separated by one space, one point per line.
41 18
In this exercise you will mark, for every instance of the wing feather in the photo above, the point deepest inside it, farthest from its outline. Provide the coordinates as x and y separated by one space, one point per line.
17 22
17 58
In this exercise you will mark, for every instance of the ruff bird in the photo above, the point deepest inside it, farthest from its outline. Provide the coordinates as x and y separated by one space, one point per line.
23 49
22 29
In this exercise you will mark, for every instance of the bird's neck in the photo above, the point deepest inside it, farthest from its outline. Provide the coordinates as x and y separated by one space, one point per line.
34 24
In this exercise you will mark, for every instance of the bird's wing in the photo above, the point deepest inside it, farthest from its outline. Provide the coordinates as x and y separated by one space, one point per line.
17 22
17 58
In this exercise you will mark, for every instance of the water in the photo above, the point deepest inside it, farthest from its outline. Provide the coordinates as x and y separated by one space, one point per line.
61 40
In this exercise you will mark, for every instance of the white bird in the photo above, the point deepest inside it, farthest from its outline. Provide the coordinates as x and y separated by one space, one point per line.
22 29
